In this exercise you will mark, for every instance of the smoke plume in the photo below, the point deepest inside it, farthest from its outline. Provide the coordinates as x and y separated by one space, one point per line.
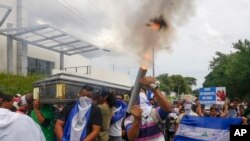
134 35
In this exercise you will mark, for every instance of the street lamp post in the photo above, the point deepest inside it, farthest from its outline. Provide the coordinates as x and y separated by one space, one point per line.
153 60
153 65
178 92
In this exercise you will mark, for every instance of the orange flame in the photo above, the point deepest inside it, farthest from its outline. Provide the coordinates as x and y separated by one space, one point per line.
154 26
143 67
147 58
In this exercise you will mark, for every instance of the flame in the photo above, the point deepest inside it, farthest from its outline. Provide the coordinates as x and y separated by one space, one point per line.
147 59
155 26
143 67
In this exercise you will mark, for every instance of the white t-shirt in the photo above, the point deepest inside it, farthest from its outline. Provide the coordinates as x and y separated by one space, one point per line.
115 129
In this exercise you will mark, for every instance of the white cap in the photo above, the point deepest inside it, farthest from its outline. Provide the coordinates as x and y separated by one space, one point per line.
18 95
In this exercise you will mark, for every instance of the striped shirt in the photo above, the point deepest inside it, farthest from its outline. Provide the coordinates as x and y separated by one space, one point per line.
149 131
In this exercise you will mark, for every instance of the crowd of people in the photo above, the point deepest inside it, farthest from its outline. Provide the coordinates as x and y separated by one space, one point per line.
104 116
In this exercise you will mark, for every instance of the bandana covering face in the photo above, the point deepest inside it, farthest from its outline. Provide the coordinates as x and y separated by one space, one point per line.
187 108
119 111
75 128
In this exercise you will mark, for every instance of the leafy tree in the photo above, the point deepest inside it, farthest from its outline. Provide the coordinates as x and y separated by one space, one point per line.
191 81
165 83
231 70
180 84
196 92
176 83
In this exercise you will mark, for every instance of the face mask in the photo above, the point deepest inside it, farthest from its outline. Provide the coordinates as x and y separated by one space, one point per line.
85 101
187 108
118 103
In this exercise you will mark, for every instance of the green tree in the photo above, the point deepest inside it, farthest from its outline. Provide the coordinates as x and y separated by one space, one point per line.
191 81
165 83
231 70
176 83
180 84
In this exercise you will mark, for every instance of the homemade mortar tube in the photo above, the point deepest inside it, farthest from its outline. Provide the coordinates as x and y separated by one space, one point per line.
134 97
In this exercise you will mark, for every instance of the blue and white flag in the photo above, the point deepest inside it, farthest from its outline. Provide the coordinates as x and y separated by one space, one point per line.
120 111
193 128
75 128
150 94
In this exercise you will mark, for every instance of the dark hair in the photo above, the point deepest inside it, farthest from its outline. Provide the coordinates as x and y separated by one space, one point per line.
241 106
1 95
120 95
110 97
193 107
7 98
213 107
105 92
230 107
202 106
87 88
236 99
111 100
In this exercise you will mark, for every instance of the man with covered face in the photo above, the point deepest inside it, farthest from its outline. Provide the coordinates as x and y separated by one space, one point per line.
81 120
187 111
142 123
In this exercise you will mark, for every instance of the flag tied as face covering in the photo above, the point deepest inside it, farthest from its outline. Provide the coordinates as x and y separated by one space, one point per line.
120 111
193 128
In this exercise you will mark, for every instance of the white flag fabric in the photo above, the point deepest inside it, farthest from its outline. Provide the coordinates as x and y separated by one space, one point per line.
193 128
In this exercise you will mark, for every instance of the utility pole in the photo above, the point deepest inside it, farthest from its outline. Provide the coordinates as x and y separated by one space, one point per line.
153 65
178 92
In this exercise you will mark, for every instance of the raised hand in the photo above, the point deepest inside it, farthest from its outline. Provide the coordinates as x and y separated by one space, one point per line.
136 111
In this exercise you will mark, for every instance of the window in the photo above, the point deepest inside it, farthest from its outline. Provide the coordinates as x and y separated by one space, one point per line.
38 66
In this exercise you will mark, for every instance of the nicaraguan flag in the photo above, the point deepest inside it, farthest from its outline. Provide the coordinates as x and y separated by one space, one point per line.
76 126
120 111
150 94
193 128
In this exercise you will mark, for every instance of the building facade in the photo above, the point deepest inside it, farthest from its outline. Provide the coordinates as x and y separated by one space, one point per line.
21 58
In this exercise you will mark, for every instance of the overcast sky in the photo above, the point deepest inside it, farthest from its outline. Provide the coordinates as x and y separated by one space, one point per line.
212 25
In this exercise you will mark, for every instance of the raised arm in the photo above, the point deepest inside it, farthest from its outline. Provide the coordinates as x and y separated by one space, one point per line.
224 113
162 100
133 131
198 109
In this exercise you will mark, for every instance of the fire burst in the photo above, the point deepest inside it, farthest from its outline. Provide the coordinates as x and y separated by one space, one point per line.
157 23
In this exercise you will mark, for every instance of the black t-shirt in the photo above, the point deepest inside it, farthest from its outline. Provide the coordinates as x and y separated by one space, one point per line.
95 117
